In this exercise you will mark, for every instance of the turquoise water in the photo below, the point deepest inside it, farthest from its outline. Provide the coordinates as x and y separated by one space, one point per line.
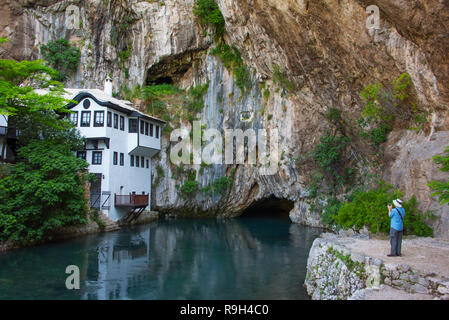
257 258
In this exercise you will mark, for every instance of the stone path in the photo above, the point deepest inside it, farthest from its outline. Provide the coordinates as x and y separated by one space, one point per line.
389 293
421 273
425 254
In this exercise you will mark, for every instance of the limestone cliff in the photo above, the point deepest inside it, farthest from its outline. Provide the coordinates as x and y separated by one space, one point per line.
325 50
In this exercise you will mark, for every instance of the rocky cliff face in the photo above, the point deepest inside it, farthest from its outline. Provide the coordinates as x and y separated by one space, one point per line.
325 50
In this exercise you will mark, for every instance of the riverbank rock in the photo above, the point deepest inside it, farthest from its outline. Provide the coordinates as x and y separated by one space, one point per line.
91 227
145 217
342 267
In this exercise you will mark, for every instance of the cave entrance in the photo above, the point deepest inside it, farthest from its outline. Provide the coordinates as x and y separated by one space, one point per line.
271 207
161 80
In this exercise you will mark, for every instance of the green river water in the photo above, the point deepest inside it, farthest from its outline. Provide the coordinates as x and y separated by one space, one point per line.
246 258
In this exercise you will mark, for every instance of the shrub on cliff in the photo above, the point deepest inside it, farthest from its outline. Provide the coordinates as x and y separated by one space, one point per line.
62 56
369 208
208 13
232 60
441 188
329 158
381 106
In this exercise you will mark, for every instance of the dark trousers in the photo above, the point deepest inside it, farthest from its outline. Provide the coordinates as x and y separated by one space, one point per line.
395 241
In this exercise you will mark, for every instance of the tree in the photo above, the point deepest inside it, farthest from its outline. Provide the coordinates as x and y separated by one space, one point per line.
28 111
441 188
43 191
62 56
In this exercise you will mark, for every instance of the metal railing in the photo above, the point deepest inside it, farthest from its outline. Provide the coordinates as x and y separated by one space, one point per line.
95 200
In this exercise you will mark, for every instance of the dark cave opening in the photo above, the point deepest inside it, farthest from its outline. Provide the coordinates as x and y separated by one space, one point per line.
161 80
271 207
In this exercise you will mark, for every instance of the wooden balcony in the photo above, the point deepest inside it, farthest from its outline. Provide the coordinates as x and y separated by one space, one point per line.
131 200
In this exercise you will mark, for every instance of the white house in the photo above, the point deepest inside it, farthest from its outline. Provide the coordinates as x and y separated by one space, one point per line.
120 144
8 138
3 136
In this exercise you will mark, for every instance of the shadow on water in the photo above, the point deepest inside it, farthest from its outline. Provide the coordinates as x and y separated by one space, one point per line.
259 258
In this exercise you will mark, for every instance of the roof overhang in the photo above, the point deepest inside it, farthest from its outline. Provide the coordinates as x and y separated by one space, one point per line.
132 113
144 151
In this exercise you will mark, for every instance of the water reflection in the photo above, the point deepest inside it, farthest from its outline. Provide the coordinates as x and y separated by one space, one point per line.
171 259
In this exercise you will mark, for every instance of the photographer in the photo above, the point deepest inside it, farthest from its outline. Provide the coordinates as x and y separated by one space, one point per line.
396 227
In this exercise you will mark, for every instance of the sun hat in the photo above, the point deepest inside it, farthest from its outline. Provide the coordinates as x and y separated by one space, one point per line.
397 203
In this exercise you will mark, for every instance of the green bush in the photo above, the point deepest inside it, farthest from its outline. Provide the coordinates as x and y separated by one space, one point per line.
95 216
189 188
441 188
196 101
330 211
333 115
62 56
160 174
155 91
44 191
280 78
369 208
328 155
222 185
377 117
208 13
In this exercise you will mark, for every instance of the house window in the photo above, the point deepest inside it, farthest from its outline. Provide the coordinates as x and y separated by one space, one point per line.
122 159
122 123
96 157
99 119
115 121
131 161
137 161
115 158
146 128
142 162
142 127
151 129
157 132
133 125
74 118
81 155
85 118
109 119
148 164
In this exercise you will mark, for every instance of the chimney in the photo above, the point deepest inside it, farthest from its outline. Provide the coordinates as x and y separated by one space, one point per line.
108 86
